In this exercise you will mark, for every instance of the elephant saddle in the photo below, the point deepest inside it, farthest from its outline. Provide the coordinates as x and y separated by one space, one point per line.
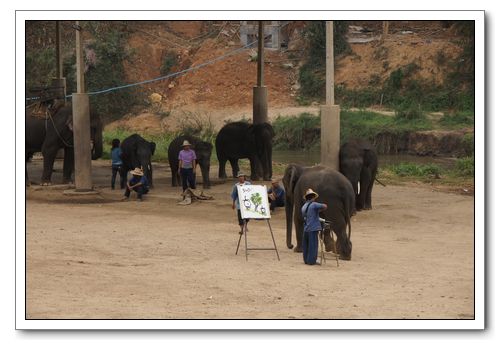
44 110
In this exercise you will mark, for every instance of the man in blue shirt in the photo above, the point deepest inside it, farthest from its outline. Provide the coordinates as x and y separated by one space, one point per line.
138 183
276 195
234 196
117 164
310 212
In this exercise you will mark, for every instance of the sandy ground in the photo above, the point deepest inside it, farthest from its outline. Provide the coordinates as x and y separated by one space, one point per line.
99 258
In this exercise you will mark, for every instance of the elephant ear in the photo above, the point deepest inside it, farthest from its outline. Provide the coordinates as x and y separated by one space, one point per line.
152 145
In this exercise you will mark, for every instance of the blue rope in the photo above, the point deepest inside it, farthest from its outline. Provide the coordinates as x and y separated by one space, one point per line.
173 74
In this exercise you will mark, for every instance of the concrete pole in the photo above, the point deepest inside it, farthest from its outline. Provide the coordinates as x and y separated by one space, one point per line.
59 82
330 113
260 91
81 125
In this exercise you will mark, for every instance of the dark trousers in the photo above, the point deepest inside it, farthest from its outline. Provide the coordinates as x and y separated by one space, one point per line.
139 189
276 203
123 176
310 247
188 179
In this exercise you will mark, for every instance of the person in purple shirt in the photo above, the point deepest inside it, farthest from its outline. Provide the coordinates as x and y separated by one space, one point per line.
310 212
187 166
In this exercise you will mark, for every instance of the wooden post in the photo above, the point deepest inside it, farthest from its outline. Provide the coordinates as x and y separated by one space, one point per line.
59 82
330 113
260 91
80 81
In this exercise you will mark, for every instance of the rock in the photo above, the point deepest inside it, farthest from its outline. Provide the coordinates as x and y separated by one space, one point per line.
155 97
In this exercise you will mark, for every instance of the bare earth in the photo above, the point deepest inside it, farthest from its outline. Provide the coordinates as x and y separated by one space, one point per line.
99 258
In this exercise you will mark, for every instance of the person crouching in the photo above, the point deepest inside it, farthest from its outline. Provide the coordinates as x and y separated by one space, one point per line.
138 183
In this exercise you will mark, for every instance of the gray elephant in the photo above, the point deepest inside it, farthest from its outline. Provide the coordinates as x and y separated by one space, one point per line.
359 163
239 140
203 152
334 190
137 153
53 130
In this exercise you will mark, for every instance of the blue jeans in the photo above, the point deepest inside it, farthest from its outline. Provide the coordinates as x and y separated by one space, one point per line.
310 247
188 178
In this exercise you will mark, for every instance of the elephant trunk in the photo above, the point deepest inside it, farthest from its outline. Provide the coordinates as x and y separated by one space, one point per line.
289 220
205 173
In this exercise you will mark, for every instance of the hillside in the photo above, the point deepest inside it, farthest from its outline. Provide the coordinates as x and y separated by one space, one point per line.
223 90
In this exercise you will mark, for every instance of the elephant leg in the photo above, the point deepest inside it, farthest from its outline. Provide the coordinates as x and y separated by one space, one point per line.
299 231
68 165
363 189
49 156
254 175
222 168
368 200
234 166
328 239
343 243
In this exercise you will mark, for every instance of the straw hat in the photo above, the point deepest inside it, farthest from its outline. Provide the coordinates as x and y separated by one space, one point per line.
311 193
186 143
241 173
275 180
137 171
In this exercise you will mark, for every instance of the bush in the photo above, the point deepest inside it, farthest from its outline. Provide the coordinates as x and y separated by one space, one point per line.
412 169
457 119
300 132
413 113
464 166
468 144
169 62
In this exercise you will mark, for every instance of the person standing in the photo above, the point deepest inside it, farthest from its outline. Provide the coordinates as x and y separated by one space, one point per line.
236 203
276 195
138 183
312 224
117 164
187 166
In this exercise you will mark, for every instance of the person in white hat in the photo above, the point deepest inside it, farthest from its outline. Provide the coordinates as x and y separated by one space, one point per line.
234 196
187 166
276 194
138 183
310 213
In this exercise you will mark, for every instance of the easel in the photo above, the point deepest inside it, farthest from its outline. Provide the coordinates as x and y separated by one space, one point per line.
246 243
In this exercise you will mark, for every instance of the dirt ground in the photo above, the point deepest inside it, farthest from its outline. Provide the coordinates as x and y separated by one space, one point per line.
100 258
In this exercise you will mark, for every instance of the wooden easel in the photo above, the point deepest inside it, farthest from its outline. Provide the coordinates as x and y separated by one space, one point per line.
326 228
246 243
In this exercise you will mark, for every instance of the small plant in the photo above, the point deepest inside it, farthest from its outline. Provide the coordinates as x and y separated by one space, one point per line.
464 166
457 119
411 114
169 62
418 170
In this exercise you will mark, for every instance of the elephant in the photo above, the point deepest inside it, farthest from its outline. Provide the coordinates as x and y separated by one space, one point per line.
239 140
137 153
359 163
334 190
203 152
53 131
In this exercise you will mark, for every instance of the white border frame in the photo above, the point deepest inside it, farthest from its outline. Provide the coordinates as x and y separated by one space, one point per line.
479 214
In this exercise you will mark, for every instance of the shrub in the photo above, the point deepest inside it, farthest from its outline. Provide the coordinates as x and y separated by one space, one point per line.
169 62
300 132
411 114
457 119
464 166
412 169
468 144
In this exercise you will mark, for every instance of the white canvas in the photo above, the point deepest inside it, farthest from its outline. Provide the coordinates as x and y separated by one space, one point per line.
253 202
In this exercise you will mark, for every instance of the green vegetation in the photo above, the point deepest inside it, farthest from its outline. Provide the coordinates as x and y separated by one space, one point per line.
312 72
464 167
303 132
300 132
169 62
457 120
416 170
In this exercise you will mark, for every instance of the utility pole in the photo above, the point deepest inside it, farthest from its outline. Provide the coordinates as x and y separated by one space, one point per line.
260 91
330 113
59 81
81 123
